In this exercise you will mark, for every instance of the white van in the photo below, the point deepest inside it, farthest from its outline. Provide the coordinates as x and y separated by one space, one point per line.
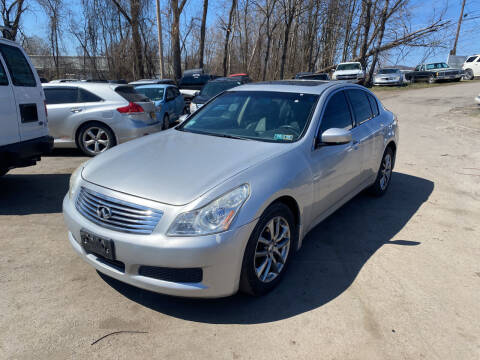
23 115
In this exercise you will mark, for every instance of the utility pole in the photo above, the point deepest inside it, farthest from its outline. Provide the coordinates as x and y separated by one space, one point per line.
454 50
160 41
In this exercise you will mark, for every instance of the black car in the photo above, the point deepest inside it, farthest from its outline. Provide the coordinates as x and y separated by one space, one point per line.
192 82
212 89
312 76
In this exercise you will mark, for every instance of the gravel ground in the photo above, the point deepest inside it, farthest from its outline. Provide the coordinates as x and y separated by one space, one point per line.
390 278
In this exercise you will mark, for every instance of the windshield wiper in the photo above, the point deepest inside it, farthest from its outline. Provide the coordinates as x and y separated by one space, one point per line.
215 134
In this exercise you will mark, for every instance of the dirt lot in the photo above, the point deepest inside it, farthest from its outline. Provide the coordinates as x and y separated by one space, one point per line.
390 278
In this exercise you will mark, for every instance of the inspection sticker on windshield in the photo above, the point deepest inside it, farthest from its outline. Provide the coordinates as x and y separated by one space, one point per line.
283 137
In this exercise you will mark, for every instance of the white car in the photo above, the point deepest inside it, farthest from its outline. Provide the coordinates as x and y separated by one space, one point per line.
96 116
471 67
352 71
23 118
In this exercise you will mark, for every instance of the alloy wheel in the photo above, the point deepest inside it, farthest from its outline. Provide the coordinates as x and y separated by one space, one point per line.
96 140
386 171
272 249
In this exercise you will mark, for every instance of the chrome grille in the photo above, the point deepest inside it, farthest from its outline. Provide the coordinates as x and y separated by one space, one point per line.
116 214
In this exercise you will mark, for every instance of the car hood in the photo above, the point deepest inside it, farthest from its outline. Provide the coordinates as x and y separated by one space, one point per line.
348 72
175 167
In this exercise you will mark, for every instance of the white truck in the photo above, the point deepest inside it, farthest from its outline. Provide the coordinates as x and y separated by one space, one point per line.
23 117
351 71
471 67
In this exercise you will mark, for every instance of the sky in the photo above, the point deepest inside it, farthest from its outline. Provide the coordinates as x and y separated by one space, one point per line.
35 23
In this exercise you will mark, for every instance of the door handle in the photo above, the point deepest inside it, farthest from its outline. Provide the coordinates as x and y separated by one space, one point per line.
75 110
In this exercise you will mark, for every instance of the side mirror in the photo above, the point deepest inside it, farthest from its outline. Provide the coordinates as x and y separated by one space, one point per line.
335 136
182 118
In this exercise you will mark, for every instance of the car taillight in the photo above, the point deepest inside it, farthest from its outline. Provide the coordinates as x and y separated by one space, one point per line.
131 108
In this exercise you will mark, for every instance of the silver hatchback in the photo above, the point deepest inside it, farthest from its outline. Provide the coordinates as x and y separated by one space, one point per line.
222 201
97 116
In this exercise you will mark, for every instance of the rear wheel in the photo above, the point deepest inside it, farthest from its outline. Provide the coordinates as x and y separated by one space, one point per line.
469 74
166 122
268 251
95 138
384 175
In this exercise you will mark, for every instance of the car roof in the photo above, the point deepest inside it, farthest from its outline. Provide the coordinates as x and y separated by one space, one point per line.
146 86
350 62
86 85
293 86
225 79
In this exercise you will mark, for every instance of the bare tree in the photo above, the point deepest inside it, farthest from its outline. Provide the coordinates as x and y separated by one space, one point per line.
228 31
177 9
53 9
202 34
11 14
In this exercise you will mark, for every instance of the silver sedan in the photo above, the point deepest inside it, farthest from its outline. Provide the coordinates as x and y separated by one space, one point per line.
96 116
223 201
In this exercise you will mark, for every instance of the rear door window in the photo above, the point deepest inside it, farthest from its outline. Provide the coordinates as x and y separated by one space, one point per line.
3 76
61 95
373 105
337 113
471 59
130 94
360 105
18 66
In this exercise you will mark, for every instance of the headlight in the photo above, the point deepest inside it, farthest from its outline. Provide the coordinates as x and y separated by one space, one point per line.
212 218
74 180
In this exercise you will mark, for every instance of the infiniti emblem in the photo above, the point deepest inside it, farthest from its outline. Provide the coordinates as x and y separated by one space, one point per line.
104 212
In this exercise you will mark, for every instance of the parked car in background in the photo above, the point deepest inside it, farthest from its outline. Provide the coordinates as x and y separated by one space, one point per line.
352 71
191 83
23 117
212 89
312 76
224 200
95 116
152 81
244 78
169 103
56 81
389 76
433 72
471 67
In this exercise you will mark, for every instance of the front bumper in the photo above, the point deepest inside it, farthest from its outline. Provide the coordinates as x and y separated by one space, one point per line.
387 82
129 130
219 256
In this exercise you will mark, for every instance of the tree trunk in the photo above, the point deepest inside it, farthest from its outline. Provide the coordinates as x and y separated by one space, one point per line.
202 34
383 21
227 36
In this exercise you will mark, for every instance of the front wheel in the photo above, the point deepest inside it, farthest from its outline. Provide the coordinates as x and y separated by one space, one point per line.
268 250
95 138
384 175
431 79
469 74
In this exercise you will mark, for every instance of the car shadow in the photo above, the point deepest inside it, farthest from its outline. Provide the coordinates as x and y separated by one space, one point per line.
332 255
32 193
68 152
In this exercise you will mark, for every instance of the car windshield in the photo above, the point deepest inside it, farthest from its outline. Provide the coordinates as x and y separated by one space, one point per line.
257 115
348 67
437 66
389 71
214 88
153 93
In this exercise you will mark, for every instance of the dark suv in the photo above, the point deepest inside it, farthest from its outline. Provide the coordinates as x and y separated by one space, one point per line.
212 89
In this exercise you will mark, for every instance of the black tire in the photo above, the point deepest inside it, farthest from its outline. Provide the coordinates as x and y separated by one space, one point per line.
166 122
3 171
249 281
104 134
469 74
379 188
431 79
